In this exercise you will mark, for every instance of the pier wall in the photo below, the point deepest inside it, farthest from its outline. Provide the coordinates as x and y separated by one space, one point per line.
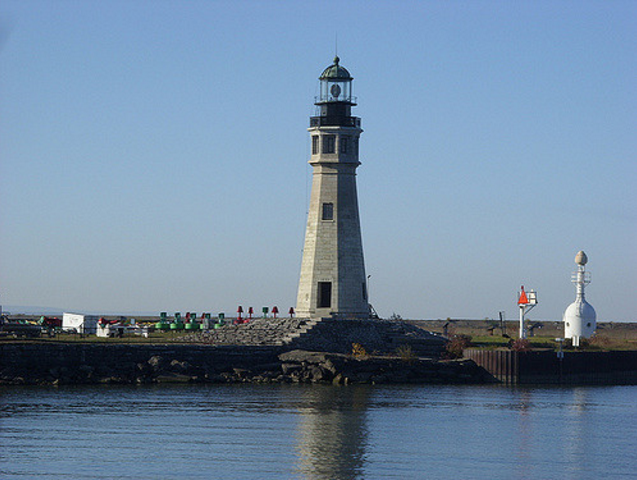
541 367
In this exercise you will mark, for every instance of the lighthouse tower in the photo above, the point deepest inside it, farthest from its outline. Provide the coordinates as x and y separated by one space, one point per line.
580 316
333 281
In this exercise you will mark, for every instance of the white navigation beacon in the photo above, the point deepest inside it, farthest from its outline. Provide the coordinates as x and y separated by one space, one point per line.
580 317
526 302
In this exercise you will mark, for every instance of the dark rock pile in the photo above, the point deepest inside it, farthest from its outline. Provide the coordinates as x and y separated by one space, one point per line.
300 366
72 363
375 336
235 365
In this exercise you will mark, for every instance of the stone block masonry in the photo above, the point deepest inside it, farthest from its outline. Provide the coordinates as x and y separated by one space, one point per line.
257 332
326 335
332 279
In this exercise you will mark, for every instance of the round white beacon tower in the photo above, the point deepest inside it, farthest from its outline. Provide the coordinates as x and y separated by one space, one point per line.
580 317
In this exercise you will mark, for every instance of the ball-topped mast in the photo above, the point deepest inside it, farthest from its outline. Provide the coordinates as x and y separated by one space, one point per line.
580 317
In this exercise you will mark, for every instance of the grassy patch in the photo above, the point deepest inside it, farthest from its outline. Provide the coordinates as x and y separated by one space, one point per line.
597 343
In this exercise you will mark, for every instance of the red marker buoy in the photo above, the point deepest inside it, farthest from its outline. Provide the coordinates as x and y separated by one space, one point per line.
275 310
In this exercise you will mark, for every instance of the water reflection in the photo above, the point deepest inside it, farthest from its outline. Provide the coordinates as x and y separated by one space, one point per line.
309 432
569 430
332 433
575 447
525 435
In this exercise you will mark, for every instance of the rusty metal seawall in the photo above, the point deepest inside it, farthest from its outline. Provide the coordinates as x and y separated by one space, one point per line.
544 367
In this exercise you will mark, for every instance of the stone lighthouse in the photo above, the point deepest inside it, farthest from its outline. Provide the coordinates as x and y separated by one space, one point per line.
333 281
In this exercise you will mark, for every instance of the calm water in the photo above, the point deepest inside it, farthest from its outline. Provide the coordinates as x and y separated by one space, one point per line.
316 432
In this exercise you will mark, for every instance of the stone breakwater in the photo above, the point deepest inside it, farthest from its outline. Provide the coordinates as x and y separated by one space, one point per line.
326 335
60 364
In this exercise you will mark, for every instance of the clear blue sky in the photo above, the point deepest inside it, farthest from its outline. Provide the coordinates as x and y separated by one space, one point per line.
154 154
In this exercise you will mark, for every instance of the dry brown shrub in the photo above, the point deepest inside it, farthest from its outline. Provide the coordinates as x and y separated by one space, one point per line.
358 351
521 345
456 346
406 354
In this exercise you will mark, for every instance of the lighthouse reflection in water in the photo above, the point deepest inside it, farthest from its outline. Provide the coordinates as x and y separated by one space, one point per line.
332 432
312 432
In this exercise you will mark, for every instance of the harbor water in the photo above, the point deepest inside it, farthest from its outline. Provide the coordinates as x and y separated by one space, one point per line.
317 432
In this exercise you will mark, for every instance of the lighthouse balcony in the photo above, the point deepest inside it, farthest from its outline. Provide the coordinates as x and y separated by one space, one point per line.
335 121
348 99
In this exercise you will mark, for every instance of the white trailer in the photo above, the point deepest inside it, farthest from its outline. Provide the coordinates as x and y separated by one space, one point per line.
79 322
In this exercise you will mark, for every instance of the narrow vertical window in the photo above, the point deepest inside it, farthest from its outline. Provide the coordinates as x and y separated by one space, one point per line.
356 146
324 295
328 211
315 144
344 144
364 291
329 143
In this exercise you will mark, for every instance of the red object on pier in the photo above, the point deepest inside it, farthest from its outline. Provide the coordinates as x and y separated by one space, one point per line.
275 311
291 312
523 298
101 321
250 312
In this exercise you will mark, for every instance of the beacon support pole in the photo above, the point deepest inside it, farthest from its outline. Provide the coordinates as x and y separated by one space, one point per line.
526 302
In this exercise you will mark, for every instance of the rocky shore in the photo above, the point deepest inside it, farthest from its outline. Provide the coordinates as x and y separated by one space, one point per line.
138 364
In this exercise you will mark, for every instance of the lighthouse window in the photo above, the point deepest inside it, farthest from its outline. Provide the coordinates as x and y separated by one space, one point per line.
329 143
315 144
356 146
344 144
328 211
324 295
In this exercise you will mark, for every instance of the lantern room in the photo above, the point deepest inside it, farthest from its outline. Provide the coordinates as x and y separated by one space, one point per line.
336 85
334 104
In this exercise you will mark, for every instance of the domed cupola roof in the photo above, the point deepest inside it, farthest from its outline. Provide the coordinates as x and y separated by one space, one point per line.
335 71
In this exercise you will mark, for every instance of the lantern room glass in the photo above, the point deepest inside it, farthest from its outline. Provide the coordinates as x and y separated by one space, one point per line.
336 90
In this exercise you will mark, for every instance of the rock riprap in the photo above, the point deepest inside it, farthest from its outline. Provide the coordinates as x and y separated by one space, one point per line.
73 364
325 335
